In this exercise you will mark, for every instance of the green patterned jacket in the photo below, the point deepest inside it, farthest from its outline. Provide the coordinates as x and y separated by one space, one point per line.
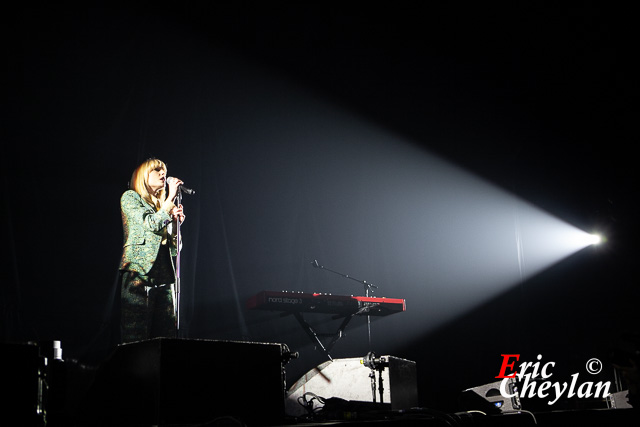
144 230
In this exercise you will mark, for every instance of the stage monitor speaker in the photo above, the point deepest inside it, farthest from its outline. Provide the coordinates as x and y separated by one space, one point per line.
23 395
173 381
488 398
349 379
619 400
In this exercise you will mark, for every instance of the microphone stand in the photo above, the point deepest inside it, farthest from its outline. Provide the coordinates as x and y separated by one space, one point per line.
177 285
367 288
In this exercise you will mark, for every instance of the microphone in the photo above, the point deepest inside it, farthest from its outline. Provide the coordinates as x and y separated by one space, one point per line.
182 187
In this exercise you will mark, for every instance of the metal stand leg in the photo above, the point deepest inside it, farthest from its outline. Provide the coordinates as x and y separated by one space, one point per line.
315 338
312 334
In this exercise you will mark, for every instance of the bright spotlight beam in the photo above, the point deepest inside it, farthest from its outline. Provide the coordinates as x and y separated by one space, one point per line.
594 239
566 239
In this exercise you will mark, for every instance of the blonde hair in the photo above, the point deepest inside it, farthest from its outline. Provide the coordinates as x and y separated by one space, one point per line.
140 182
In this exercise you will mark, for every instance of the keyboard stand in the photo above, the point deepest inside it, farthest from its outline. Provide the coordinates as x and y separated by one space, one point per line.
315 337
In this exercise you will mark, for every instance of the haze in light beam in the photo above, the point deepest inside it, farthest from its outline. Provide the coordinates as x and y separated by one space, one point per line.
310 180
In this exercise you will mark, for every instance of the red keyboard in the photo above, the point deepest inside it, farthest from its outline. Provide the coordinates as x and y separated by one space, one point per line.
301 302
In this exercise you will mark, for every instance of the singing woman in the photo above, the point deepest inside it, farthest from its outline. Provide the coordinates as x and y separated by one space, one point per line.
149 220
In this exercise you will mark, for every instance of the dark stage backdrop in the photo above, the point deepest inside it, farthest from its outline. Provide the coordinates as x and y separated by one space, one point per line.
305 132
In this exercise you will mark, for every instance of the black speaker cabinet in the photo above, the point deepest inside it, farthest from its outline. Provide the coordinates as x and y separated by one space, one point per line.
22 397
172 381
